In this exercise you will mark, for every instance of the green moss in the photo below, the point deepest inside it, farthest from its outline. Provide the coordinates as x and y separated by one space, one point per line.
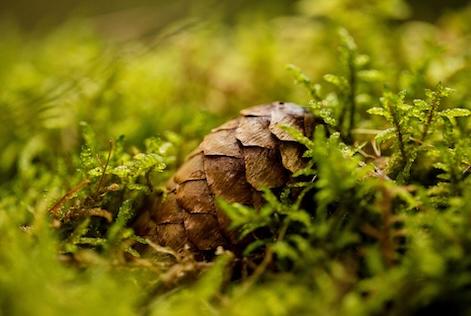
377 223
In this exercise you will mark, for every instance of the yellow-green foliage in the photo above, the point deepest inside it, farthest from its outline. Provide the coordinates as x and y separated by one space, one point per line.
380 220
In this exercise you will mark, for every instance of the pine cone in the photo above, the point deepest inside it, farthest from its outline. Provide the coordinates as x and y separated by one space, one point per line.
234 162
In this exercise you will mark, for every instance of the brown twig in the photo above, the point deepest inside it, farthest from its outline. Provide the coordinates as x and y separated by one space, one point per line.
100 182
54 210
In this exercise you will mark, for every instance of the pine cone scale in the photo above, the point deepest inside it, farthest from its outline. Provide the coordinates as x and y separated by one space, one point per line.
292 156
263 168
170 235
192 169
170 211
232 124
226 178
195 197
221 143
204 232
253 131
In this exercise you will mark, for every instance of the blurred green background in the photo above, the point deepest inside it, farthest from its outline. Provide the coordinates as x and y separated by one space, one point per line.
33 14
120 65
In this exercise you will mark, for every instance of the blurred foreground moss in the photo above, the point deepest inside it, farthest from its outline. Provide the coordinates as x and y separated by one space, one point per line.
385 229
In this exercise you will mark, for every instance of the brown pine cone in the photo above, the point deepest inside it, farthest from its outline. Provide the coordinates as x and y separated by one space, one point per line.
234 162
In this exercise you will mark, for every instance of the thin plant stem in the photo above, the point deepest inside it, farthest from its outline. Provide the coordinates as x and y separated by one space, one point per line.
351 96
397 127
435 103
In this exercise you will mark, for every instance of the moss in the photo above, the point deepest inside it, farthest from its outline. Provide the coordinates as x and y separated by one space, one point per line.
382 222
